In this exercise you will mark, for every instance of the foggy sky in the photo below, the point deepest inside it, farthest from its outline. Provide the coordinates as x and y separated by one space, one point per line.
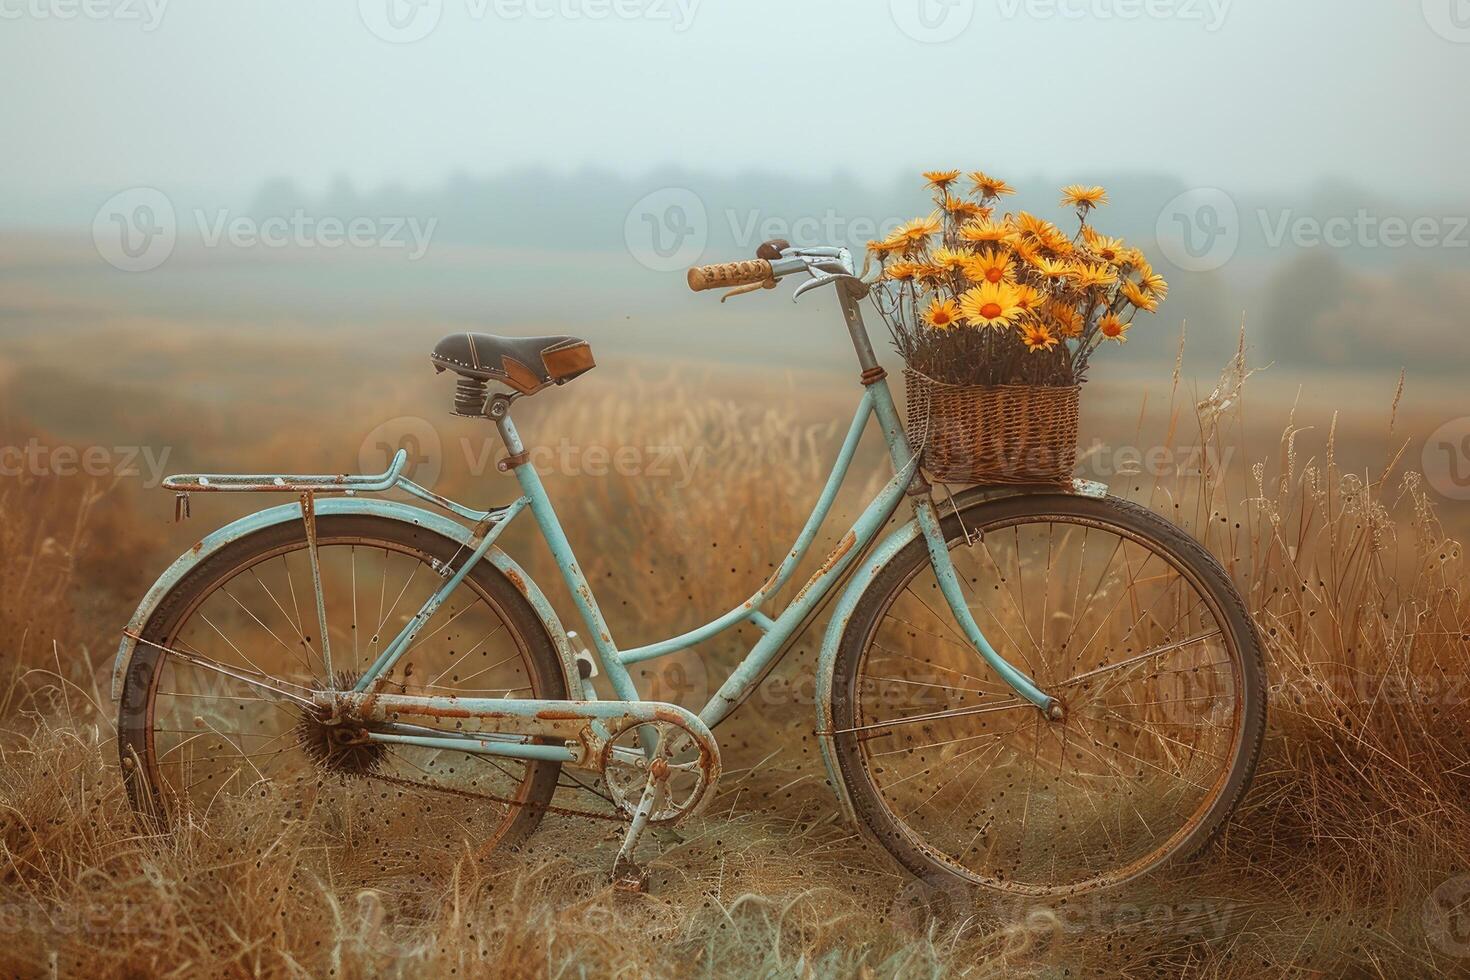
224 94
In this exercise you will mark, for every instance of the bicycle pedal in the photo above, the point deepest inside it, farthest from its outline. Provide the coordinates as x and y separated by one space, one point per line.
630 878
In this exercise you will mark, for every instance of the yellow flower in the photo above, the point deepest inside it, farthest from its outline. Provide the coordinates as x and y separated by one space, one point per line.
1028 298
1067 319
1029 225
1154 285
1027 251
1093 276
1131 258
984 231
942 314
1084 198
990 187
962 209
951 260
1036 337
1053 270
1139 298
1113 328
902 271
914 234
1108 249
990 305
991 265
1057 242
940 179
883 249
932 275
1043 232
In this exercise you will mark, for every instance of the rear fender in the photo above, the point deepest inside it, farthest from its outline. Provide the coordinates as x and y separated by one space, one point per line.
392 510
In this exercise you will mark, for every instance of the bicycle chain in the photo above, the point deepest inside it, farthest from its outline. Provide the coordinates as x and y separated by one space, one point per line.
564 811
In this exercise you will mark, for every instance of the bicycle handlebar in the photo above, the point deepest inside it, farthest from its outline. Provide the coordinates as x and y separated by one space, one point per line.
774 260
751 271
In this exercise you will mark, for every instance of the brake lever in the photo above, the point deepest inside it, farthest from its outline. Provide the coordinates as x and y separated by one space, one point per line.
859 287
749 288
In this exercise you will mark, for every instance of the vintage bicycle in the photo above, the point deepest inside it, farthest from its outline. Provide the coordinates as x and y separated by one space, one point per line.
1039 690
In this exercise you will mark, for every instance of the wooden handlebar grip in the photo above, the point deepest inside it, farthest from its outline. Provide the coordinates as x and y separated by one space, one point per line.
703 277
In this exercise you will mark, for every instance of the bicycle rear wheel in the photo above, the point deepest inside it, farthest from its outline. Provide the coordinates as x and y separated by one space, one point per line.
1111 609
201 729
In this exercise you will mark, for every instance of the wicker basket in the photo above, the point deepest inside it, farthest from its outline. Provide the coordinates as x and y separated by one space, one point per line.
1006 434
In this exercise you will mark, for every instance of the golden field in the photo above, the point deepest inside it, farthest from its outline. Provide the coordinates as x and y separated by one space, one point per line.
1347 857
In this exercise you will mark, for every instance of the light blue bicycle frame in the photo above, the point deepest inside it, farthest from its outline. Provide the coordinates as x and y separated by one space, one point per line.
876 402
582 731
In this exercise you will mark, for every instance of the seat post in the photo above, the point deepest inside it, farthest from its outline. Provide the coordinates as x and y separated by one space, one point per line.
497 410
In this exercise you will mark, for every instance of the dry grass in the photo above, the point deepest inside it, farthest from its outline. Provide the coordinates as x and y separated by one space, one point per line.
1358 813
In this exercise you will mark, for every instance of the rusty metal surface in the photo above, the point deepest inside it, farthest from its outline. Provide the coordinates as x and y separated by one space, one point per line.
828 563
287 483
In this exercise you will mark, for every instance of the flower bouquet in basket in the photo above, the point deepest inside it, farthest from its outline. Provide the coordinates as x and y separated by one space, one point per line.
997 317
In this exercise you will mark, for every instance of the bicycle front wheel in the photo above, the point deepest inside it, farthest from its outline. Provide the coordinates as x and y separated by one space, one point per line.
1120 615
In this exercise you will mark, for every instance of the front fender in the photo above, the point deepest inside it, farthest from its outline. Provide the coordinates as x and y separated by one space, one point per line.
889 547
392 510
827 659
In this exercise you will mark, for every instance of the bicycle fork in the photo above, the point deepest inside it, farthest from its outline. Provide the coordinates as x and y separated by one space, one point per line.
902 453
953 591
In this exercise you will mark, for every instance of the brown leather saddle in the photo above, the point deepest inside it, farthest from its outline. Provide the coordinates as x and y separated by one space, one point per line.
526 364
